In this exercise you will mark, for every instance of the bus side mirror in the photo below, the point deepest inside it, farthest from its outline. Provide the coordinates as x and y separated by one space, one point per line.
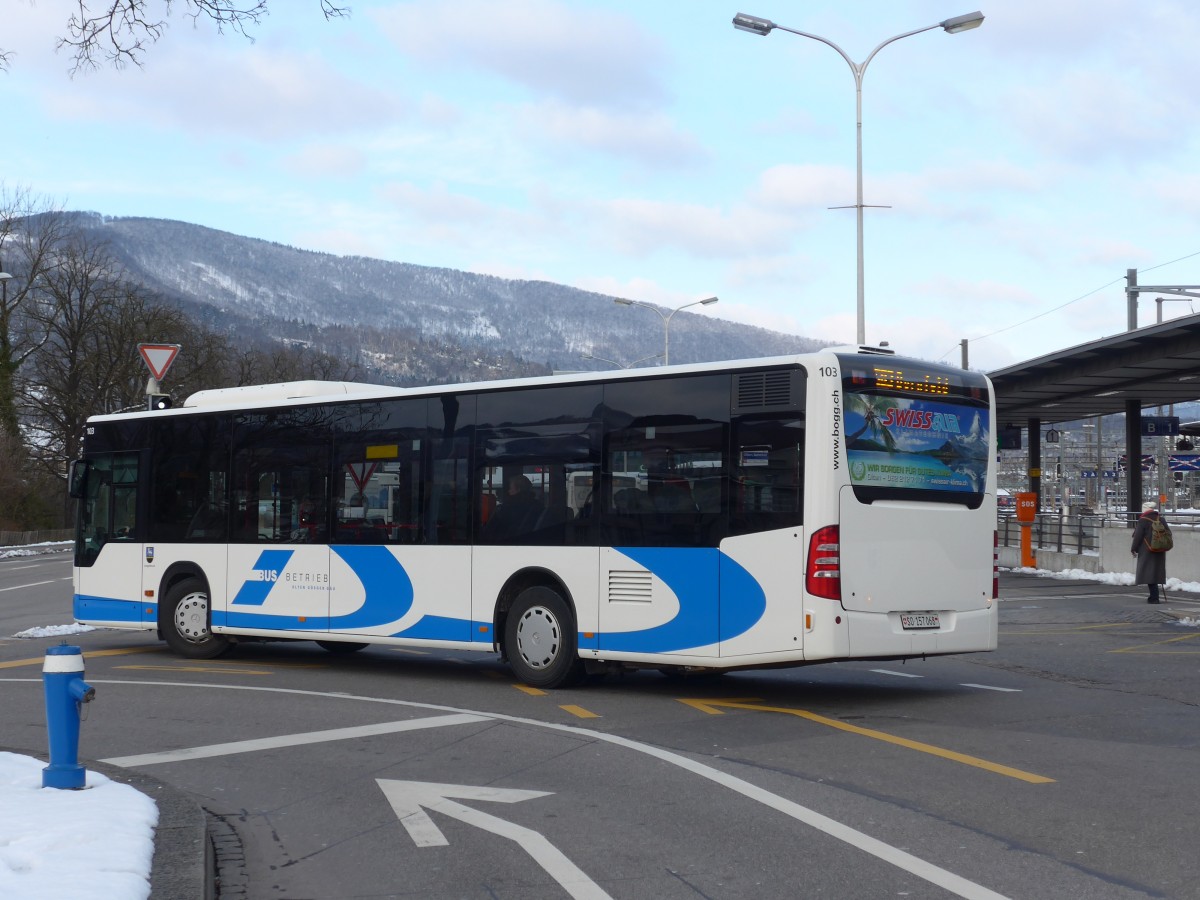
77 476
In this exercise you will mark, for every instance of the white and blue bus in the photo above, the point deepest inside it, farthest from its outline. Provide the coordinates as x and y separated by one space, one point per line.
770 512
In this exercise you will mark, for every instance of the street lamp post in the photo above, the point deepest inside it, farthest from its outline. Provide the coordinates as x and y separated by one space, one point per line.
763 27
666 318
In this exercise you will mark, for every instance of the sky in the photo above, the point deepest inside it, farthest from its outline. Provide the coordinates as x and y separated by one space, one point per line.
653 152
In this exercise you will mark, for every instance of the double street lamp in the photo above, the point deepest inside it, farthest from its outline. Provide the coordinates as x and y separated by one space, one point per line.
621 365
666 320
763 27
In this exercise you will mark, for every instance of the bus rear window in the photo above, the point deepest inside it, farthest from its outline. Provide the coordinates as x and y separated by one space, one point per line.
917 435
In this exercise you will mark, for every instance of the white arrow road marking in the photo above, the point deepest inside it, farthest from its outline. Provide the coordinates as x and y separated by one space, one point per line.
411 799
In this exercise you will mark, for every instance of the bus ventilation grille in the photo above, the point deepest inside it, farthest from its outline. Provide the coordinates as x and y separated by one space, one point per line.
630 587
765 390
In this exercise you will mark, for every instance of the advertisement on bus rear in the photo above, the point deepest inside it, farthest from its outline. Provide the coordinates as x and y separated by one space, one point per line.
916 444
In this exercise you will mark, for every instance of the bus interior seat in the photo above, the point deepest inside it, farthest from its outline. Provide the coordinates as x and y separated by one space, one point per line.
555 515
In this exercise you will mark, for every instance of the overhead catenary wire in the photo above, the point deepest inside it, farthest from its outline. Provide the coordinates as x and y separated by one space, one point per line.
1055 309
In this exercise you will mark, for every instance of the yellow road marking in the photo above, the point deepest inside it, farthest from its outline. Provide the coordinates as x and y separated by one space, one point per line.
580 711
711 707
1071 629
218 669
1140 648
531 691
16 663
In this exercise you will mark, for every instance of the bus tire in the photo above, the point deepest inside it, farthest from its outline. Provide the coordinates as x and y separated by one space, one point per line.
539 639
342 647
186 622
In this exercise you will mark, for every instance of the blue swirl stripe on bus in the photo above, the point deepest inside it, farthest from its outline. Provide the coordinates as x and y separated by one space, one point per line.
387 597
106 609
699 578
270 566
387 589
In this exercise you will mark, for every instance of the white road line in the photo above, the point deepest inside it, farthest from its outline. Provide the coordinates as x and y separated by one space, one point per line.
901 859
992 687
290 740
897 674
32 584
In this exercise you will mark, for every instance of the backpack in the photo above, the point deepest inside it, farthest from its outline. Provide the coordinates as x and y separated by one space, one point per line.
1160 536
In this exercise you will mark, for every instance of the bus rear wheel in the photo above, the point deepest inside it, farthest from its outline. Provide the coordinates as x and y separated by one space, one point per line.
539 639
186 623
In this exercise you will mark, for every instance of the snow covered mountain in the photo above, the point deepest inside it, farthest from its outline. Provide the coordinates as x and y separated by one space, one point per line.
386 311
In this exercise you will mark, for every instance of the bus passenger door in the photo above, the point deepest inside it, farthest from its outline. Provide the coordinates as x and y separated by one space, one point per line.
278 576
276 587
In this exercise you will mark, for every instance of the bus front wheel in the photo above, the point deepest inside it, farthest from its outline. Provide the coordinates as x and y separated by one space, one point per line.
186 626
539 639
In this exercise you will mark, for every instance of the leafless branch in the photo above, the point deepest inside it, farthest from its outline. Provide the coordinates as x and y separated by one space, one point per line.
119 32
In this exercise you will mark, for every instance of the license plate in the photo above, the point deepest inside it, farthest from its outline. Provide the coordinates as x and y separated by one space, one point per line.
919 620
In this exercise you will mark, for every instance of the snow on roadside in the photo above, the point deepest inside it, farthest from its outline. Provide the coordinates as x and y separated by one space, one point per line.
93 844
44 631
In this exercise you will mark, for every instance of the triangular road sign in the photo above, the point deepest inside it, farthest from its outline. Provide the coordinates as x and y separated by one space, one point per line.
158 357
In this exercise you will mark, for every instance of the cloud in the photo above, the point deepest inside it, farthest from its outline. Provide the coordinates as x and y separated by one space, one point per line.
1089 116
438 206
640 227
326 161
579 55
933 190
649 138
803 187
1178 192
259 95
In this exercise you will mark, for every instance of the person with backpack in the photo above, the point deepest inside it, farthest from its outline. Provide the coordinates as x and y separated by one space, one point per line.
1151 541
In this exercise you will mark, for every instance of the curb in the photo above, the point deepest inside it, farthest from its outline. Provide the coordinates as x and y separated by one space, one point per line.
183 863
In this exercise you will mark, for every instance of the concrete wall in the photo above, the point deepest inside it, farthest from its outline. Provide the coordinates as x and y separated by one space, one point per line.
1183 562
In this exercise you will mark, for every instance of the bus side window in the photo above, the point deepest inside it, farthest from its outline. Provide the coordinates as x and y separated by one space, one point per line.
536 451
281 475
188 499
109 511
768 474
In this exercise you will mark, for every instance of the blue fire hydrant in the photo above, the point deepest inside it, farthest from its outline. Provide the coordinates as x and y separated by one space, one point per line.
66 692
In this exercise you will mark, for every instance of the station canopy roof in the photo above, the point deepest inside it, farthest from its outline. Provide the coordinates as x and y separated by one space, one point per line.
1156 365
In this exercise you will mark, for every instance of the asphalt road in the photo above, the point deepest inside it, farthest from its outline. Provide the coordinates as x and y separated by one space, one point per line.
1061 765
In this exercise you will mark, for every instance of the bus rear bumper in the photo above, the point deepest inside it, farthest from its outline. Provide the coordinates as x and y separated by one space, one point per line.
883 634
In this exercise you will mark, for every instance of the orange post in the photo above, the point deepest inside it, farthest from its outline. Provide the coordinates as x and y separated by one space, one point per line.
1027 510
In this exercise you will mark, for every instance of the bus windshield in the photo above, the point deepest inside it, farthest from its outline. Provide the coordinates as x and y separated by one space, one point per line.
916 431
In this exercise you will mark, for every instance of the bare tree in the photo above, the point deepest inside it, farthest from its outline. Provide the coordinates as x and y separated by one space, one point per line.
30 234
28 499
289 363
88 364
119 31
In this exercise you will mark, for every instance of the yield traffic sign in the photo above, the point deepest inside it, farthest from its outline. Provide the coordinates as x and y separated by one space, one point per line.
158 357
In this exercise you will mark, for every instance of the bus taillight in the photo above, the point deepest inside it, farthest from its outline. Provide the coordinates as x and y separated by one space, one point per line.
995 565
823 577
